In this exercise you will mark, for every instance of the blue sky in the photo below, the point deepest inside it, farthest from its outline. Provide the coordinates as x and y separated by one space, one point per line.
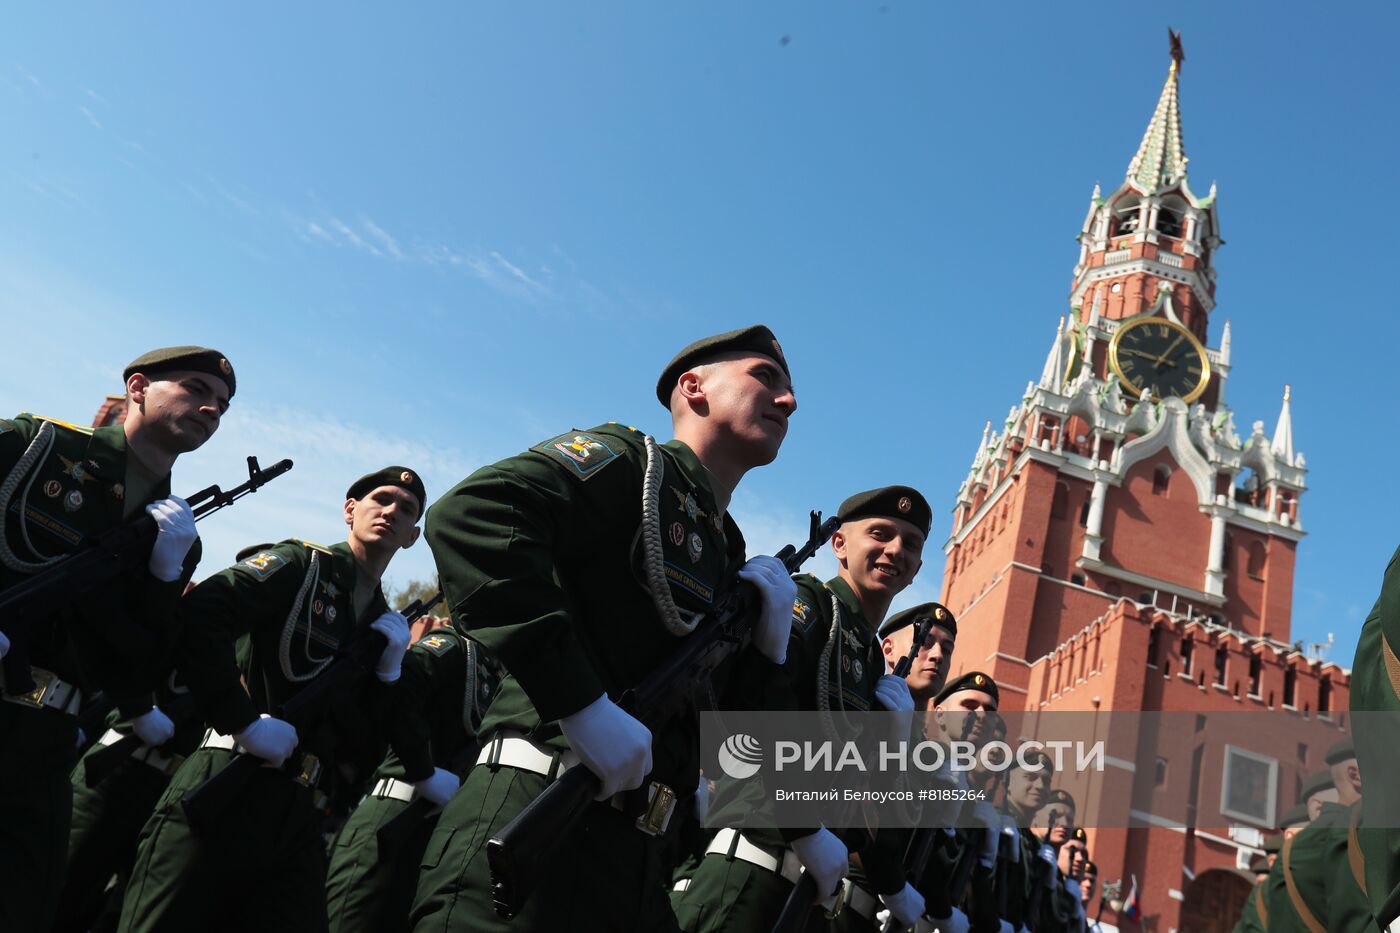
437 234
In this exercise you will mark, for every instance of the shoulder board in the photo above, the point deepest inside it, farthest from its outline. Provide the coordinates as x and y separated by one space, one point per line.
313 545
62 424
438 644
583 454
6 426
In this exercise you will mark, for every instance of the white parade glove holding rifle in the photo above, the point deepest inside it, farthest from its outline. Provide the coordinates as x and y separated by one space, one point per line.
613 745
153 727
175 534
825 857
778 592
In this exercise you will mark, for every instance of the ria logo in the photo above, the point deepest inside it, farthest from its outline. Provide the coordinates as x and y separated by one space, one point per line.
740 756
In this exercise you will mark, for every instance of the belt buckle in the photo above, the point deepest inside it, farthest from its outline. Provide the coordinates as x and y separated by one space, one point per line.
43 680
310 771
661 802
838 900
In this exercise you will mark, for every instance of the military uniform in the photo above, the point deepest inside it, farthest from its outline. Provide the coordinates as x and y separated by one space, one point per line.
263 861
1375 688
1348 908
550 559
1298 900
78 484
442 695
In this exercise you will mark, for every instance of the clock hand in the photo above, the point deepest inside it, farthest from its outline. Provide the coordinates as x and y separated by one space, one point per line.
1146 356
1175 343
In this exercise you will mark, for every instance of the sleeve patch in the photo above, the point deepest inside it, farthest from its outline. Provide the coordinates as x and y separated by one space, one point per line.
583 454
802 614
6 426
438 645
265 563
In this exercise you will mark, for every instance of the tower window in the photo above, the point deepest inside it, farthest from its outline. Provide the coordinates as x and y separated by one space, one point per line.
1084 514
1077 579
1256 671
1161 477
1290 686
1154 646
1255 567
1126 216
1169 222
1059 506
1187 645
1324 696
1222 654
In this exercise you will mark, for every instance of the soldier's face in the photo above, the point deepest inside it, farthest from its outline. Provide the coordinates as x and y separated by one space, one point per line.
385 517
930 669
178 410
746 401
1027 789
967 716
1054 822
1086 888
878 555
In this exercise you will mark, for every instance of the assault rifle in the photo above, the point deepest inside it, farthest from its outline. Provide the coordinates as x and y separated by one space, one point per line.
517 853
217 793
99 561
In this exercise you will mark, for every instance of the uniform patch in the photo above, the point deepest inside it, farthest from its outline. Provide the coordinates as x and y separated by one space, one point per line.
688 582
583 454
265 563
6 426
677 534
438 645
802 615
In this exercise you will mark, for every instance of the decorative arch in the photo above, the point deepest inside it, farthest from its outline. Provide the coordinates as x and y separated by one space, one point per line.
1171 433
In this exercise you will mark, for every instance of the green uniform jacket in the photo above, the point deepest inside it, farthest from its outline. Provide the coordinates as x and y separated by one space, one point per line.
1348 908
1250 921
118 637
1375 687
1310 862
541 559
291 636
438 708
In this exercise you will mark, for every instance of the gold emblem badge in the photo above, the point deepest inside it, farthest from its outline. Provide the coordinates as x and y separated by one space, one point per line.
940 613
73 501
225 367
905 503
405 477
979 680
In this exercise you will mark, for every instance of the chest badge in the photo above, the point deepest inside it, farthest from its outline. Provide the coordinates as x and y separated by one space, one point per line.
694 546
677 534
52 488
318 607
330 613
858 669
73 501
846 663
119 491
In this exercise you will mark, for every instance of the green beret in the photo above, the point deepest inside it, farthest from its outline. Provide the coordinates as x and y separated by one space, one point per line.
191 359
1260 866
902 502
1294 816
1090 869
755 339
1345 750
1059 796
1273 844
939 614
249 551
1316 782
1034 756
399 476
972 680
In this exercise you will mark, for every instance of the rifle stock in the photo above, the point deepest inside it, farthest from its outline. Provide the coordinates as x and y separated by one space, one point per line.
216 794
518 851
797 909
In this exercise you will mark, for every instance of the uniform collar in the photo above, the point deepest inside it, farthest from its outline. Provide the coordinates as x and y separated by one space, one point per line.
696 474
849 602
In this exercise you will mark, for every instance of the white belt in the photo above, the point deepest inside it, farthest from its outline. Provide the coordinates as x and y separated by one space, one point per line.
50 692
392 787
681 885
785 864
515 751
165 764
214 739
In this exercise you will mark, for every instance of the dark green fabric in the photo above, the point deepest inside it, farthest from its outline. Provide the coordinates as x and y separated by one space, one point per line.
1348 909
258 866
729 894
605 874
367 888
1249 918
188 358
35 803
754 339
901 502
1310 863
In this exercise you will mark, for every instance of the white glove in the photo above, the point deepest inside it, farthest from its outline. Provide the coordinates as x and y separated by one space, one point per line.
269 739
175 533
394 628
957 923
1047 855
4 645
986 816
153 727
1006 927
907 905
1011 837
826 858
610 743
439 788
893 694
778 592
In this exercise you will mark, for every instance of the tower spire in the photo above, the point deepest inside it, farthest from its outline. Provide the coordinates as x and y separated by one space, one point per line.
1161 159
1056 362
1282 445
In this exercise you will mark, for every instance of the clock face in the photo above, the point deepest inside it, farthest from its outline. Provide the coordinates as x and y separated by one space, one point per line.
1157 354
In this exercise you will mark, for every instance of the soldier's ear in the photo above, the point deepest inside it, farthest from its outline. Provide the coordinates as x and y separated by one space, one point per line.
413 539
136 389
349 511
838 544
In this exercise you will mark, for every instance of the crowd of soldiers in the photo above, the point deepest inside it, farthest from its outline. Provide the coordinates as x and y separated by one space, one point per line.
367 793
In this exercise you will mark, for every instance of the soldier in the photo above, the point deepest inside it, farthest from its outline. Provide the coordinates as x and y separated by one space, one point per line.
1293 821
72 484
262 861
442 695
930 669
1054 821
556 562
1375 689
1089 884
834 663
1027 788
1317 789
1064 908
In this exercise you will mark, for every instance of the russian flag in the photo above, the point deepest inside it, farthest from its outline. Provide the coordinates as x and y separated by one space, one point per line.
1131 909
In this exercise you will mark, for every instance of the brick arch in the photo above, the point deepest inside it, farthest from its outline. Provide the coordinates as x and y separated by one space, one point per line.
1214 901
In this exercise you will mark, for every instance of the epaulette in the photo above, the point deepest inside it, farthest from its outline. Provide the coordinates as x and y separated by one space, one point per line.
62 424
582 453
313 545
438 643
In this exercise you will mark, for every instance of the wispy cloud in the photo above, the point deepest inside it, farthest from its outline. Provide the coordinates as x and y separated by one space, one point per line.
491 268
96 123
27 75
230 197
353 238
94 95
390 245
